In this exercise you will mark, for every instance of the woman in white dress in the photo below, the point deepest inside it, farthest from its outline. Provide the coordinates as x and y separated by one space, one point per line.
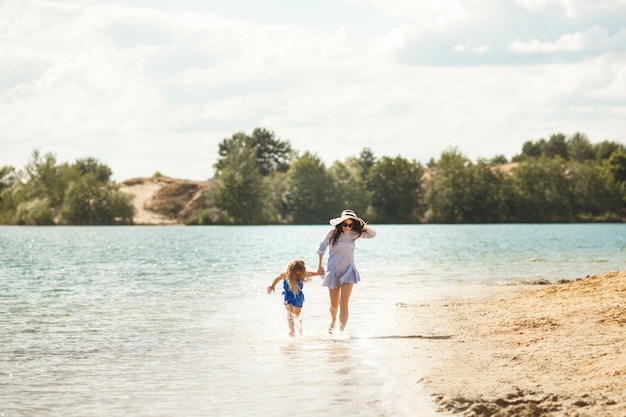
341 273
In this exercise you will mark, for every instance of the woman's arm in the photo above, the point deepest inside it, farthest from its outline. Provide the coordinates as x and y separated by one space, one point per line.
368 232
321 250
320 267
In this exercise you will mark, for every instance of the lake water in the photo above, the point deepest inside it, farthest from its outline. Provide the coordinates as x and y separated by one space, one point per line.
175 321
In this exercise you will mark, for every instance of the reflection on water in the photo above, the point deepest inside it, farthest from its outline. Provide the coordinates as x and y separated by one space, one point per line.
342 375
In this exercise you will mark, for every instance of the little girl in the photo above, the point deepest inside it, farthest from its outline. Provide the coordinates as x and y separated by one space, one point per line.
293 278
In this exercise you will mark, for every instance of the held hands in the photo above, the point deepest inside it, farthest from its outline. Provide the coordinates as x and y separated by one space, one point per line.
271 288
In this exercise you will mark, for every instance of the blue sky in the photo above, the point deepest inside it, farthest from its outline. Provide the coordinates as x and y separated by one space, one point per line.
155 85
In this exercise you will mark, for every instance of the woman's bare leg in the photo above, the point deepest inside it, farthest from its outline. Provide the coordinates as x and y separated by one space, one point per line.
335 294
344 312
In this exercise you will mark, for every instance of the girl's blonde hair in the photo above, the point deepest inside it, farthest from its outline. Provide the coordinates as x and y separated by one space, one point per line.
295 265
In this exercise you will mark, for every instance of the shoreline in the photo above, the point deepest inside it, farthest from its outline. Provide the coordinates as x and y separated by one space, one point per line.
520 350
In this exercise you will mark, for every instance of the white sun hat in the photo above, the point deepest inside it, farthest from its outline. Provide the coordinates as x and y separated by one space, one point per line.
346 214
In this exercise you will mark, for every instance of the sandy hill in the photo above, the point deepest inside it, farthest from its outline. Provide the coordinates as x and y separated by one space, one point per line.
163 200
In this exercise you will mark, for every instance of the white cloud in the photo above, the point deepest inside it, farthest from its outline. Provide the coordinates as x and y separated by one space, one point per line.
593 39
468 46
429 15
574 8
608 75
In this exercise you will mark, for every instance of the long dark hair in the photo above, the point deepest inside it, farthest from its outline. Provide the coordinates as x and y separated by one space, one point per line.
357 227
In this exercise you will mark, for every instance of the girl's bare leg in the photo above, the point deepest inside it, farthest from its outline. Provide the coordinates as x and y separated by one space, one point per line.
344 312
335 294
290 321
298 320
293 316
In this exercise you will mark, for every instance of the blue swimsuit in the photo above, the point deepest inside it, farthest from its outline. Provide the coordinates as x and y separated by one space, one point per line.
297 300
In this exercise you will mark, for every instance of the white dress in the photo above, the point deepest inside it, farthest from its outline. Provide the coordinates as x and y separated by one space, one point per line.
341 268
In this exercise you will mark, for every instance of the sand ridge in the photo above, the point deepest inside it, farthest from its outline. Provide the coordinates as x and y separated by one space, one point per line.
163 200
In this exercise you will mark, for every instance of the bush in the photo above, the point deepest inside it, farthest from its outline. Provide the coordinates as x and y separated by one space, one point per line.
34 212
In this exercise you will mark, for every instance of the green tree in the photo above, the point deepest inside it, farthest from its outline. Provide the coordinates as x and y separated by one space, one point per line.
364 163
556 146
80 193
239 188
498 160
530 149
35 196
311 195
485 200
605 149
617 166
463 192
35 212
542 190
579 148
395 186
11 197
275 186
446 198
8 176
349 185
45 180
232 150
90 201
270 154
92 166
595 194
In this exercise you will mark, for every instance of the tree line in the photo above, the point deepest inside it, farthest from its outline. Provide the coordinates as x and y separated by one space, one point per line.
46 192
260 179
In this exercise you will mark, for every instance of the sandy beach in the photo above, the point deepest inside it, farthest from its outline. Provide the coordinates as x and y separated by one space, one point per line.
523 350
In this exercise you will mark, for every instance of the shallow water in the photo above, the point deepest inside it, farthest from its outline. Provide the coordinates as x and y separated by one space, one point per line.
174 321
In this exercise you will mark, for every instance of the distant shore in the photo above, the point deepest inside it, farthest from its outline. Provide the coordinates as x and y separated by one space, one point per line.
516 350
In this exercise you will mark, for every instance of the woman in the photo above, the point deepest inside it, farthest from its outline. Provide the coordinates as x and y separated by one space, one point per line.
341 272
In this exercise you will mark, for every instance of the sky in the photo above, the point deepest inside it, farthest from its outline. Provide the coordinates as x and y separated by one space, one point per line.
155 85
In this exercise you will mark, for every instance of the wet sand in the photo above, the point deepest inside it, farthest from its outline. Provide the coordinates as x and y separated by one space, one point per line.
524 350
